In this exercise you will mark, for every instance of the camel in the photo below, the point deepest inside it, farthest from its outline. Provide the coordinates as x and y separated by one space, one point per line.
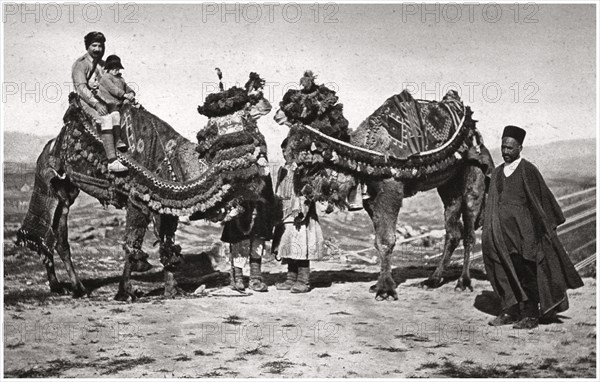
168 177
333 162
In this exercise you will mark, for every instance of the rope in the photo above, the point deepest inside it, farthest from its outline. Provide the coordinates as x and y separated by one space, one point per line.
351 146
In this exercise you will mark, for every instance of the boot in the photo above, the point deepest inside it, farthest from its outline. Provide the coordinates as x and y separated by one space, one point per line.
507 317
237 279
139 261
531 315
301 285
120 145
292 276
256 280
109 146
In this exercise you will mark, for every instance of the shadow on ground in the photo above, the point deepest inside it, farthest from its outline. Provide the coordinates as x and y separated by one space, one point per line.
198 270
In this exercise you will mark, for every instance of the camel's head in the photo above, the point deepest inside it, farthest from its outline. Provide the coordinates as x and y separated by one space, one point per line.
309 111
236 99
232 117
258 105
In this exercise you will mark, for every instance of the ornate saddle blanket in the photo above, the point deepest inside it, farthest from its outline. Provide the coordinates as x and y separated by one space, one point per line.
404 138
166 172
402 126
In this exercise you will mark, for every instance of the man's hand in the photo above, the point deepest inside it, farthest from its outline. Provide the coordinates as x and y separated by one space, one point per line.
129 96
101 108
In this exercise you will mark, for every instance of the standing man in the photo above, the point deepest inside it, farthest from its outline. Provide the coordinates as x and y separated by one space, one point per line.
524 259
247 232
86 73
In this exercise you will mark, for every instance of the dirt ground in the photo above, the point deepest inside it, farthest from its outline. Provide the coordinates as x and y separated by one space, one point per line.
336 330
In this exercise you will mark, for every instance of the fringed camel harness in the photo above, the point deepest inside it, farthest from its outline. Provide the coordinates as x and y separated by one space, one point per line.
166 173
405 139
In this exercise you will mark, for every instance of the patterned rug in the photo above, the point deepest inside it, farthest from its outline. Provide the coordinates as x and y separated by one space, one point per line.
165 171
404 138
402 127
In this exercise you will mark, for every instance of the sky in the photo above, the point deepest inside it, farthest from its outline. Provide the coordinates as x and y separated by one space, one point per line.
530 65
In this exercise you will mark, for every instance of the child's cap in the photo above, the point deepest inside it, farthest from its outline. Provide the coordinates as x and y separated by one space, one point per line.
113 62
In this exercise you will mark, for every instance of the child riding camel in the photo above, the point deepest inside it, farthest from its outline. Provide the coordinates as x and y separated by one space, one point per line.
113 90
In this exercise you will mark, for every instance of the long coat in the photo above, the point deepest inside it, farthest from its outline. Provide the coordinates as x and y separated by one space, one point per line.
555 271
298 234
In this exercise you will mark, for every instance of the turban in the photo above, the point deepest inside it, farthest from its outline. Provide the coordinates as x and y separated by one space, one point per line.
514 132
93 37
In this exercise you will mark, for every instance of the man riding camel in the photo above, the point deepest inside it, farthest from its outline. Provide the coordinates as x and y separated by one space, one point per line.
86 73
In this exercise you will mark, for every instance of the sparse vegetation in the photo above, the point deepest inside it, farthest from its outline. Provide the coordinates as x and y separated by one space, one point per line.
390 349
277 367
57 367
429 365
233 320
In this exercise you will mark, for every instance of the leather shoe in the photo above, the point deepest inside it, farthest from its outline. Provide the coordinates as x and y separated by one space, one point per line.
503 319
527 323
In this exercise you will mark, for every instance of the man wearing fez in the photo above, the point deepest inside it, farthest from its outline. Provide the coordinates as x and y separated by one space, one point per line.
524 259
86 73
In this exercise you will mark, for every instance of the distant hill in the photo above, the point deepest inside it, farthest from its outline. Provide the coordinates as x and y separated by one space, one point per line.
23 148
562 159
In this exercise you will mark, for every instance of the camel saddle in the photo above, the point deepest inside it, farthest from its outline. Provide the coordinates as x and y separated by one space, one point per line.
403 126
165 170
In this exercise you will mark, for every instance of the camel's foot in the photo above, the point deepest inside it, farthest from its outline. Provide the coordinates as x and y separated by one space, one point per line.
125 293
79 291
172 291
58 288
125 296
171 288
432 283
462 284
385 288
141 265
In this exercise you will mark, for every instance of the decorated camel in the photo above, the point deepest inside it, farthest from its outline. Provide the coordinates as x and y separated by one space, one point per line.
168 176
404 147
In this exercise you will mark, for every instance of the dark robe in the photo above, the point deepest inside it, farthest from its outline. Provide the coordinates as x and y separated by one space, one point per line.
244 227
518 228
555 271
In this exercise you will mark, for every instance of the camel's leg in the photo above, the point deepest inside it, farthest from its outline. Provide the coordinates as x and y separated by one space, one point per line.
473 202
383 210
170 253
55 285
64 249
125 289
137 221
452 198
